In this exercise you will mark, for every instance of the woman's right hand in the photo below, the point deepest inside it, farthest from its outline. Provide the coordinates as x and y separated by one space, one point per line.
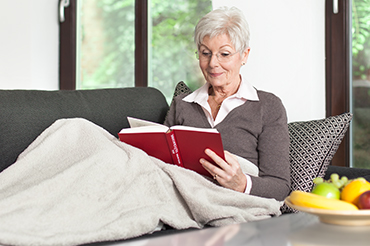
227 172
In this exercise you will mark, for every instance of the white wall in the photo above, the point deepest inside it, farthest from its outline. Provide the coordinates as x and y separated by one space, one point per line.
29 35
287 52
287 49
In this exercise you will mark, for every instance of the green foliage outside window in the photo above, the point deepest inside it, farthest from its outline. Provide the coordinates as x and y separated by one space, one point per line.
361 37
110 33
108 45
361 82
172 45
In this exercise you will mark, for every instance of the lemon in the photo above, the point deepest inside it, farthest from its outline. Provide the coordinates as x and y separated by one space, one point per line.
352 191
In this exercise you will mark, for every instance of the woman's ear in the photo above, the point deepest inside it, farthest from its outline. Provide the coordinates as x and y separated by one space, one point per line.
245 55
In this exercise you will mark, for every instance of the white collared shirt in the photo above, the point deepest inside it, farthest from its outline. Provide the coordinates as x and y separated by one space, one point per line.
245 92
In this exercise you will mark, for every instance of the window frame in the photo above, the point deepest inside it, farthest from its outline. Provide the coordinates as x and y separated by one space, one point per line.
68 46
338 69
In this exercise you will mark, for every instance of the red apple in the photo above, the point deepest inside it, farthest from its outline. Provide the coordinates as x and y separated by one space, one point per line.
364 200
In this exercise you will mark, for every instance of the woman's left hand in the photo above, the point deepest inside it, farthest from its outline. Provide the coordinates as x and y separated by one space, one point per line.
228 173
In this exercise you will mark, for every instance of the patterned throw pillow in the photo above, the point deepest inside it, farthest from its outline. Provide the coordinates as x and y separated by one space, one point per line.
312 147
181 88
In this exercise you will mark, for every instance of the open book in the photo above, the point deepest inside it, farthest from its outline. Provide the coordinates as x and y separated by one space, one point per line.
180 145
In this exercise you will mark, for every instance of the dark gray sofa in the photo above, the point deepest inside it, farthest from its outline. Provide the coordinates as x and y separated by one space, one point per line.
24 114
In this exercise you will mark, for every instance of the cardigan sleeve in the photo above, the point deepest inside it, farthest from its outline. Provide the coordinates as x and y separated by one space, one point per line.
273 153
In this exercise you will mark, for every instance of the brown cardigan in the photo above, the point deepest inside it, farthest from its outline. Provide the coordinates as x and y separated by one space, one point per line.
256 131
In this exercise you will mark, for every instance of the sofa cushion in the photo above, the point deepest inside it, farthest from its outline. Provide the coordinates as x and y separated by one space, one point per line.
24 114
181 89
312 147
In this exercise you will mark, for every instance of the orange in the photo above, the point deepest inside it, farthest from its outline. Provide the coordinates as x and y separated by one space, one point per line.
352 191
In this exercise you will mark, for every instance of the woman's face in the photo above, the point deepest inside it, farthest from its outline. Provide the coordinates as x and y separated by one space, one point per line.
225 72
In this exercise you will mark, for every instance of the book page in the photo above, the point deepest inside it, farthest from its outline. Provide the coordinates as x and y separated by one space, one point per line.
145 129
156 127
190 128
134 122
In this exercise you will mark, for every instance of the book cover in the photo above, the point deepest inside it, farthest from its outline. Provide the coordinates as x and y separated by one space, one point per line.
179 145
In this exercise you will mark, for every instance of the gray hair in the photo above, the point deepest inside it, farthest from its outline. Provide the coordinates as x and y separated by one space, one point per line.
224 20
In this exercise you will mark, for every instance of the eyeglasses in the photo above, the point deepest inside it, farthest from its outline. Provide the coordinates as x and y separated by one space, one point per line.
222 56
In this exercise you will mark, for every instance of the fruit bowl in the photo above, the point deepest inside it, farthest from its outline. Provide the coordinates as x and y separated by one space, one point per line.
336 217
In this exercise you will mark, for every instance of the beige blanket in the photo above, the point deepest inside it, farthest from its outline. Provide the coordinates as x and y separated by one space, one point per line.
77 184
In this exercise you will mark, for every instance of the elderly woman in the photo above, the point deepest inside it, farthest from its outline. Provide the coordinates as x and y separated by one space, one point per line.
252 123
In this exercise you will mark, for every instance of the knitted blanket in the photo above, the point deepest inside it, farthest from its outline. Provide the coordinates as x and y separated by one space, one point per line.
78 184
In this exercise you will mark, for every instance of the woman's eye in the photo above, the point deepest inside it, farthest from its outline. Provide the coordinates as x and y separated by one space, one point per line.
206 53
225 54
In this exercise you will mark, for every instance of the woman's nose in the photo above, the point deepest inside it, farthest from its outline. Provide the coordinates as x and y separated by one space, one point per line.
213 60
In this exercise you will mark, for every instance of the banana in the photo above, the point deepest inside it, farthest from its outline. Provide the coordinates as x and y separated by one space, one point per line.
306 199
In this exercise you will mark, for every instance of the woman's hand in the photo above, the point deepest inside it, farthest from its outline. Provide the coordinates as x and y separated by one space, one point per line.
228 173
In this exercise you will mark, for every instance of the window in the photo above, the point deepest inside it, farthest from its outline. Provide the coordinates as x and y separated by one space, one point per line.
347 76
361 82
123 43
105 44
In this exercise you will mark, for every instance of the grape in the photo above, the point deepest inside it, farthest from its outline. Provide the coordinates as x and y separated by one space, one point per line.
318 180
334 177
338 184
344 179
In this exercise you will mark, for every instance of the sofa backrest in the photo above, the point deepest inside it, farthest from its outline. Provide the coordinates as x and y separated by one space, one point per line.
24 114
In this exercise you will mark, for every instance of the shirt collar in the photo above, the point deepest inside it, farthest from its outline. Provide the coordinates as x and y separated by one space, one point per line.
246 91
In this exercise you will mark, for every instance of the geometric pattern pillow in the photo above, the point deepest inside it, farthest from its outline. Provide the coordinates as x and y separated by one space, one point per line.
181 88
312 147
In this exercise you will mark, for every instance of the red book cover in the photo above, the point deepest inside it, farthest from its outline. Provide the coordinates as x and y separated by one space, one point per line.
174 149
153 143
180 145
192 143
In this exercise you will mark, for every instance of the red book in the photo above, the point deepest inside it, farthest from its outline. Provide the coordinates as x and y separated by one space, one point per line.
179 145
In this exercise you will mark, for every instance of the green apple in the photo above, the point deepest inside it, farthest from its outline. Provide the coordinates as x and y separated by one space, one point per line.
327 190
